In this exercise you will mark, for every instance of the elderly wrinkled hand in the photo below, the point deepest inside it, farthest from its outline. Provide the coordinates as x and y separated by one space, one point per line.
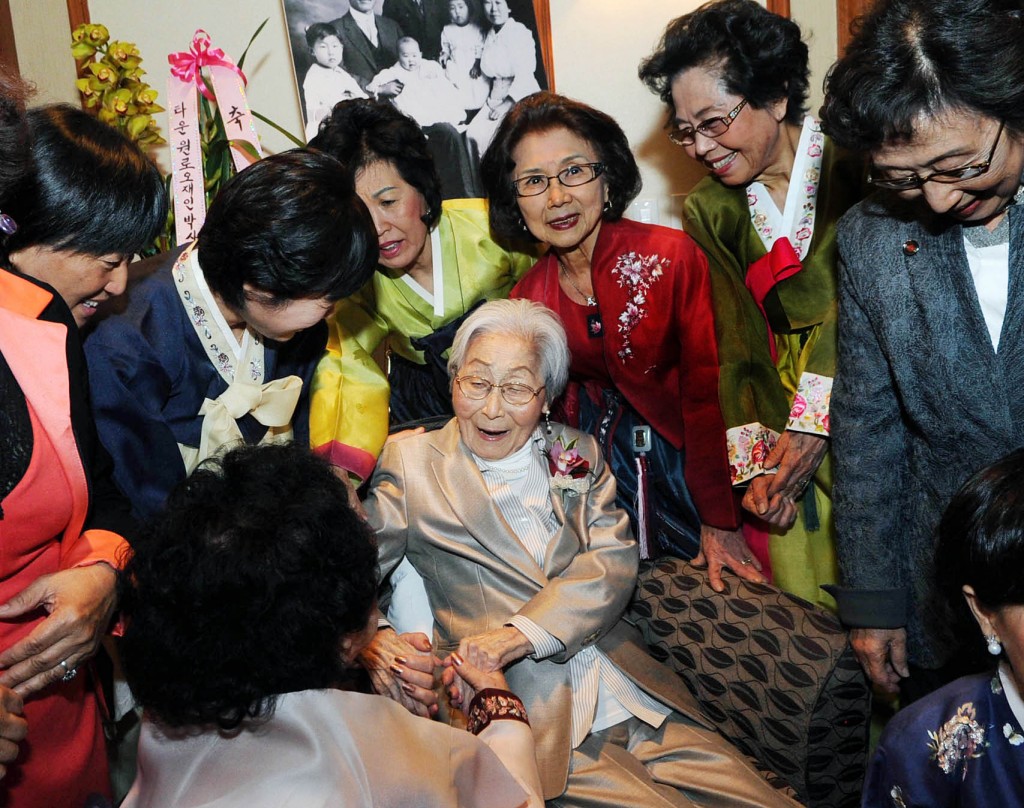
795 458
726 548
778 510
401 667
882 653
463 680
493 650
79 603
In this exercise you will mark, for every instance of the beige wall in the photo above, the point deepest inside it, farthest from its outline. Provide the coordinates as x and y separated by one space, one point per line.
43 38
597 50
597 45
817 20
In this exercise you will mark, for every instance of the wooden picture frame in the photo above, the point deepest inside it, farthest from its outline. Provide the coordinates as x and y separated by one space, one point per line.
847 12
542 15
8 49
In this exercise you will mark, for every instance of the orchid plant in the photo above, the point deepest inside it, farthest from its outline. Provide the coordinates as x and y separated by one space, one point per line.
110 83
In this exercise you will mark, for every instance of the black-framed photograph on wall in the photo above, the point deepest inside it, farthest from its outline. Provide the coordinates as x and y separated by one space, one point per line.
455 66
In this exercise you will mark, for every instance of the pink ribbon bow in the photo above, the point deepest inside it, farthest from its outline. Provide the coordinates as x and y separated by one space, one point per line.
188 65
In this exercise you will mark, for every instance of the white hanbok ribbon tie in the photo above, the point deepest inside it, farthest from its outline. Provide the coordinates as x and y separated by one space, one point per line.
272 404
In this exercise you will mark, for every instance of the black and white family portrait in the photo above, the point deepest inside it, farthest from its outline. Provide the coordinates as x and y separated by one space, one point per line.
454 66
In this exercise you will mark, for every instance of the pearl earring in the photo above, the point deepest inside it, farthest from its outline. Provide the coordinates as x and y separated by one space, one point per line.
994 646
547 422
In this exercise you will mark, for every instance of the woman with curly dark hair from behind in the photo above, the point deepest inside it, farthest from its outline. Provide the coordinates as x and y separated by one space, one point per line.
734 77
245 601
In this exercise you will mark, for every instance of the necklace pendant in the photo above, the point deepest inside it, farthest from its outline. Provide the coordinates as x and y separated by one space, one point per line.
591 301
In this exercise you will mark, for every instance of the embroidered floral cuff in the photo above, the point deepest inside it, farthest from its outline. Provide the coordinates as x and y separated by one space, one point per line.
811 404
493 704
749 446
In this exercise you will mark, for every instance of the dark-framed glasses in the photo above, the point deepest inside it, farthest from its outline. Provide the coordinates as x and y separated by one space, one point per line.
912 182
570 177
477 389
712 127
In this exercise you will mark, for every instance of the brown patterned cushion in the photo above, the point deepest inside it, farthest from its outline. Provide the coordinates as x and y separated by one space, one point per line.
775 673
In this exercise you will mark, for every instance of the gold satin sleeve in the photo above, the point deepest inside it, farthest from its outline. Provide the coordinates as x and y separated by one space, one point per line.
348 418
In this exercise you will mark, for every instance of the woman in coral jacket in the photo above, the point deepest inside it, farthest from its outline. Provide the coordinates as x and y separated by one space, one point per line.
61 529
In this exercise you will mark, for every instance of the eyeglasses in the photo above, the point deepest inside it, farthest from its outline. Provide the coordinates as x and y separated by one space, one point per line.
712 127
570 177
914 181
477 389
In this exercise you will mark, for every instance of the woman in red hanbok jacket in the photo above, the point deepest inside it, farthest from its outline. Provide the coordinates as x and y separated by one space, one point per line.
635 301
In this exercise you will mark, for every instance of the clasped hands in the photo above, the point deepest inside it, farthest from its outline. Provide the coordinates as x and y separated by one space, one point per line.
401 666
772 497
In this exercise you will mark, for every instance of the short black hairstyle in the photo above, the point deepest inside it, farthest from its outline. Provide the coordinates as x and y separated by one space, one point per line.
544 112
981 536
919 58
360 132
292 227
244 588
318 31
89 190
760 55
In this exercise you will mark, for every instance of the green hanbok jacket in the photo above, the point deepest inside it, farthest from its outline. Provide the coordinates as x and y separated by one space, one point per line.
754 389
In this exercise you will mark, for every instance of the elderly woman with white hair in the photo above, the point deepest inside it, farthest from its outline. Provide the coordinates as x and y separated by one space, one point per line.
529 565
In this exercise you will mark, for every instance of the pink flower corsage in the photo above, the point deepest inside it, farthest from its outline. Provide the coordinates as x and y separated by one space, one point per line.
569 471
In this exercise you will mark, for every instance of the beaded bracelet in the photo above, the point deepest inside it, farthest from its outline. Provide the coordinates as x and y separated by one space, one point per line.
492 704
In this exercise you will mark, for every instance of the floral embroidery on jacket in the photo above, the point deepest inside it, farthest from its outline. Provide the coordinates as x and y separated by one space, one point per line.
748 448
637 273
958 741
801 223
810 410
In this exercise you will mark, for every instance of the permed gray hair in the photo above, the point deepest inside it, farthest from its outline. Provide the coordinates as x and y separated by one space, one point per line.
531 322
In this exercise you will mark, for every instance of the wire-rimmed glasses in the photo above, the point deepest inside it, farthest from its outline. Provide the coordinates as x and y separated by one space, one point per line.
912 182
571 176
477 389
712 127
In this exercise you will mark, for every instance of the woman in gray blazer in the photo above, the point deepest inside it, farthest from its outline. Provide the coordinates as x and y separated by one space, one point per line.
931 324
